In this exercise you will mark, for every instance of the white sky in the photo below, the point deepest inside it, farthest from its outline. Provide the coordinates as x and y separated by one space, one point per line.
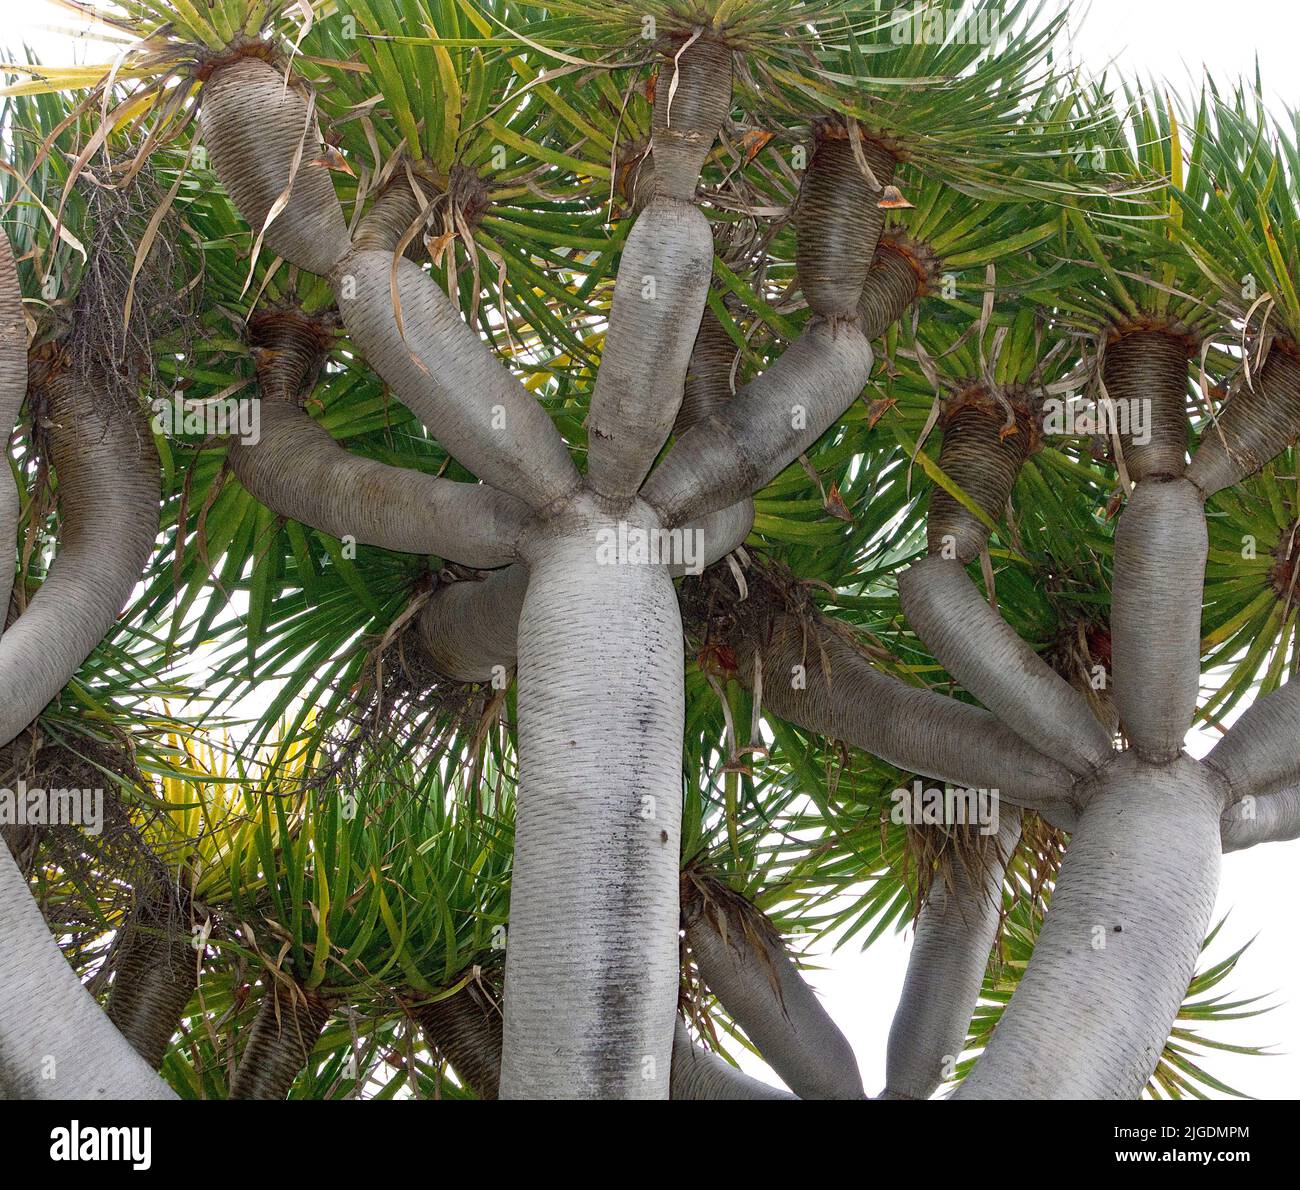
1174 40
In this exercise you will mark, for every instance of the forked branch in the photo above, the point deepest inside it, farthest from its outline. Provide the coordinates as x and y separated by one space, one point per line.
257 130
736 451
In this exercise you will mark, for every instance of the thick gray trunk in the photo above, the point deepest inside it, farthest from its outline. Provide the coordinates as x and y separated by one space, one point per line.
591 960
108 497
980 650
55 1041
955 932
745 965
471 629
765 427
1155 616
1119 944
699 1074
298 471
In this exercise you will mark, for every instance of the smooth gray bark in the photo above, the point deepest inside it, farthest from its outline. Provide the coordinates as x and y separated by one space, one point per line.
1261 750
450 379
736 451
299 471
1269 818
471 629
108 498
1119 944
980 650
662 282
955 932
714 536
750 972
55 1041
1155 617
700 1074
592 957
817 678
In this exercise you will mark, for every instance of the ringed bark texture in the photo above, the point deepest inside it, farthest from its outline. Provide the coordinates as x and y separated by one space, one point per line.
818 680
298 471
1260 750
13 388
955 932
288 1024
663 279
984 461
1119 944
253 126
896 279
55 1041
707 387
449 378
692 98
155 973
465 1028
289 348
1155 620
838 223
1270 818
109 493
470 629
389 217
980 650
744 963
592 960
1147 370
765 427
700 1074
1257 424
